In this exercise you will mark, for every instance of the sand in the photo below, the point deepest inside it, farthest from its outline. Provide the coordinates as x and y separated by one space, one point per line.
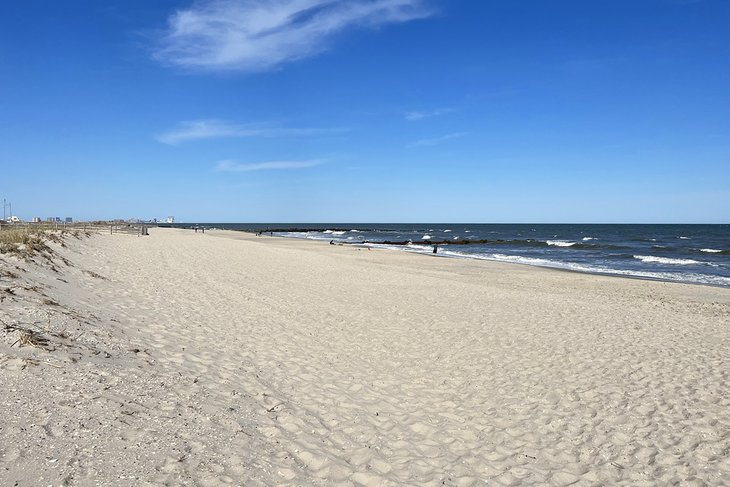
223 358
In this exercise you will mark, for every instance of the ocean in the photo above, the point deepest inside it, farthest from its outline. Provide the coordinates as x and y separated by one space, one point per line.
697 254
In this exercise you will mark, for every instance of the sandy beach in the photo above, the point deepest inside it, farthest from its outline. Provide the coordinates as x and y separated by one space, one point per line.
223 358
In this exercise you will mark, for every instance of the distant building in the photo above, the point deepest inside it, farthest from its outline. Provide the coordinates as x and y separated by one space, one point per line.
36 219
170 219
58 219
50 219
14 219
69 219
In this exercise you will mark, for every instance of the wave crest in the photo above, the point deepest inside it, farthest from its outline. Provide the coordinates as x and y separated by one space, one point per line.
665 260
560 243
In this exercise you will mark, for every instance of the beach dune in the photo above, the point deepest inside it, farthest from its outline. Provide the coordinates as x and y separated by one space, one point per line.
221 358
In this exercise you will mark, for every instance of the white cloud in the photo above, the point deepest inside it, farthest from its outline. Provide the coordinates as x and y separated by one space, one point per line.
259 35
437 140
412 116
233 166
214 129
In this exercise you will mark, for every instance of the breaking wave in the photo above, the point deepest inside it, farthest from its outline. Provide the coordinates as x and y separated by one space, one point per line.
665 260
560 243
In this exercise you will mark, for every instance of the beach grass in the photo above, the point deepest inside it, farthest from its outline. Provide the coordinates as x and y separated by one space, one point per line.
27 242
20 235
31 241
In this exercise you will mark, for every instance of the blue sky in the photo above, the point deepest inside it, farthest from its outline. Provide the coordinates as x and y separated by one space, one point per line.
367 110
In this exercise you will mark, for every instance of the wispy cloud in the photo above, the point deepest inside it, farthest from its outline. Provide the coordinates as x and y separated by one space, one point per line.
437 140
259 35
412 116
215 129
233 166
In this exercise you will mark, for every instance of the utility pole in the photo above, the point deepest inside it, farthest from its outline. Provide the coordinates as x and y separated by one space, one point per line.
3 209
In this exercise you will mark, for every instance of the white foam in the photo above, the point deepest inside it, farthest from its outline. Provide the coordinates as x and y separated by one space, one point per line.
417 248
664 276
295 234
690 277
585 239
328 231
448 231
711 251
526 260
684 238
666 260
426 237
303 235
337 233
560 243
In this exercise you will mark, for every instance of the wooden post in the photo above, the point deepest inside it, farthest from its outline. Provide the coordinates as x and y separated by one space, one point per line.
111 229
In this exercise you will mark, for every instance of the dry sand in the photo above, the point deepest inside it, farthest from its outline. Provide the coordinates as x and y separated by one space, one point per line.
223 358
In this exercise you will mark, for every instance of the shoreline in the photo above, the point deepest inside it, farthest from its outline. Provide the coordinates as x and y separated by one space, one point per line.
221 358
377 246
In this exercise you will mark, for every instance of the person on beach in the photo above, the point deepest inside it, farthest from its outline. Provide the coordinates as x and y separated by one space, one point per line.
435 248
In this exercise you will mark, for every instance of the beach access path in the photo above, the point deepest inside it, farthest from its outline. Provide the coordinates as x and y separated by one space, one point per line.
229 359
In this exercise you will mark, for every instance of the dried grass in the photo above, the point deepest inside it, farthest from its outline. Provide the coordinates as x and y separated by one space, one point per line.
9 274
29 337
18 235
26 243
